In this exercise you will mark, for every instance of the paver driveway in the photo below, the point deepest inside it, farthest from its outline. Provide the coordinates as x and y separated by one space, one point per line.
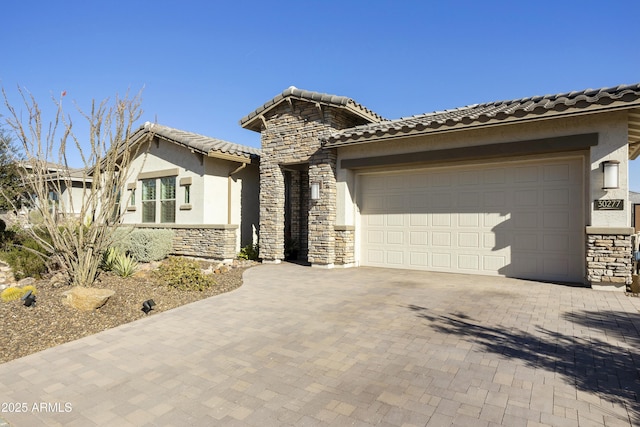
303 346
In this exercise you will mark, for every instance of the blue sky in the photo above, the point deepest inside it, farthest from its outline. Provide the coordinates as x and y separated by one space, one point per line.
204 64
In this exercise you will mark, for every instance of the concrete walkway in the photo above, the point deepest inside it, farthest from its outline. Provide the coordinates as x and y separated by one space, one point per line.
303 346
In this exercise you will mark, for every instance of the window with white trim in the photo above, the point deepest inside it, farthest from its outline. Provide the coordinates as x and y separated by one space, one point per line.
148 200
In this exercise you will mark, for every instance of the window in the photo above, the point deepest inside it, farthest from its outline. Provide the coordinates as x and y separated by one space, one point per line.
187 194
156 203
132 199
148 200
168 199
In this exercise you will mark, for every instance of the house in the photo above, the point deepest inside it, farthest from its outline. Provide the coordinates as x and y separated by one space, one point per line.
203 188
63 193
533 188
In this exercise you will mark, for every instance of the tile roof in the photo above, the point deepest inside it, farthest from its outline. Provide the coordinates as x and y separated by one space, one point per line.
200 143
252 122
626 96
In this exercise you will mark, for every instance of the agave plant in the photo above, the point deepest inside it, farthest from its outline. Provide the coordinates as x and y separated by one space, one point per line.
124 265
109 258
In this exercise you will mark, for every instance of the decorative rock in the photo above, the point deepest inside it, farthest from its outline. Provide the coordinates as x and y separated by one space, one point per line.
87 298
27 281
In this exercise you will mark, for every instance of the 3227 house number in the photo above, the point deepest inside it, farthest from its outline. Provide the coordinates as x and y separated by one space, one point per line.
608 205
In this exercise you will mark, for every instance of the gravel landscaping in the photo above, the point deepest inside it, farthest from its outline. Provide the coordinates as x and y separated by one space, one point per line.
25 330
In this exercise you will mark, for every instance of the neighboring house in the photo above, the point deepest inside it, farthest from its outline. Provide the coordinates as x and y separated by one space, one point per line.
66 187
512 188
203 188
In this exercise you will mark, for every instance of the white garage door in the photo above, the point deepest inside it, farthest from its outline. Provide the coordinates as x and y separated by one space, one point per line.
520 220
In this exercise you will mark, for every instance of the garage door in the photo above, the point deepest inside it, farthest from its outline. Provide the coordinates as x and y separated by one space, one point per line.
520 220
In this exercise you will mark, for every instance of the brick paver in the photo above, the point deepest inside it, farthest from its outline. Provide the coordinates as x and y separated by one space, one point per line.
302 346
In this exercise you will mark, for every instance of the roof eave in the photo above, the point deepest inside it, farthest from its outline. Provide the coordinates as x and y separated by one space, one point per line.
336 142
231 157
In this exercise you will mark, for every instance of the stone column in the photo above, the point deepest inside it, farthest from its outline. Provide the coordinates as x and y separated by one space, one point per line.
322 212
271 239
609 257
345 245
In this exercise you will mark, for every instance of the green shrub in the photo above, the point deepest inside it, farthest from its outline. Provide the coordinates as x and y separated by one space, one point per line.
183 274
25 256
145 245
249 252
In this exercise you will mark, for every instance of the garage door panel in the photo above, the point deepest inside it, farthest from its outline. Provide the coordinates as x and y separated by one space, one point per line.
395 257
441 219
468 220
441 260
493 263
468 200
526 174
495 176
469 262
441 238
555 173
556 197
395 237
395 220
418 238
418 220
526 198
419 259
468 240
521 220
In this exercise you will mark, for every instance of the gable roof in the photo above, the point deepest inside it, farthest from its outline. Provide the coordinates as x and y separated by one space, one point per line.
478 115
253 121
211 147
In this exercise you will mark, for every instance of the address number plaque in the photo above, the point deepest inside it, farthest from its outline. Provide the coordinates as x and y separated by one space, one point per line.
608 205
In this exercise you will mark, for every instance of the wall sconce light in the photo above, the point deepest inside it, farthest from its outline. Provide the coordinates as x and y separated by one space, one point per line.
611 172
315 190
148 305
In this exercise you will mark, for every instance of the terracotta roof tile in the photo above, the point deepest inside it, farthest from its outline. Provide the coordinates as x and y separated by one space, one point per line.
482 113
197 142
248 121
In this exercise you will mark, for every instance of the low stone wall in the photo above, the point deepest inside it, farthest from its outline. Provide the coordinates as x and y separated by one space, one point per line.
215 241
609 259
345 244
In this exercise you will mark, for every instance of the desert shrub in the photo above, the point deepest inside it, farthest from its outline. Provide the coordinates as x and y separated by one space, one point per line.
145 245
183 274
25 256
35 217
249 252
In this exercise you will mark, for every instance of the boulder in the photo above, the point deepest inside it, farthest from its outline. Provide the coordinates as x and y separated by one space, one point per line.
87 298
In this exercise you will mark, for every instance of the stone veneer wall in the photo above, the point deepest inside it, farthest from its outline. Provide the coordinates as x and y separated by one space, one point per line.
345 244
201 240
292 136
609 259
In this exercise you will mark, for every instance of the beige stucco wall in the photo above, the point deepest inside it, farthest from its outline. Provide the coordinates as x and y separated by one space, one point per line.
166 156
612 144
209 188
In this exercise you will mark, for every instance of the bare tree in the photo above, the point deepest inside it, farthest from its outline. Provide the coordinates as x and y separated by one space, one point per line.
80 208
